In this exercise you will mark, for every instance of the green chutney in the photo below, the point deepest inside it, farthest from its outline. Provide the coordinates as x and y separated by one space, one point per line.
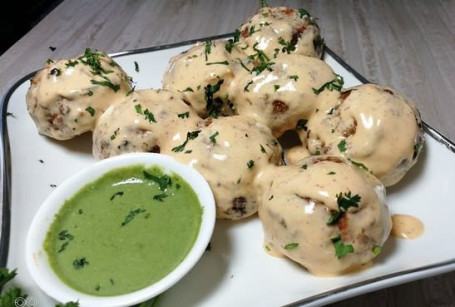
124 231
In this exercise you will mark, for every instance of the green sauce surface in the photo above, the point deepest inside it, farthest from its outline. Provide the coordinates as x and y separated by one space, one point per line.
124 231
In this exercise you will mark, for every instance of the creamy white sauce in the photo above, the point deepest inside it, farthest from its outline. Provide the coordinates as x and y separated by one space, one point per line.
406 226
297 203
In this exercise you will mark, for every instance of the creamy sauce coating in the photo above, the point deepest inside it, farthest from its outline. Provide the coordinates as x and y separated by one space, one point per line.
230 152
406 226
284 95
204 68
67 97
298 202
277 30
144 121
368 124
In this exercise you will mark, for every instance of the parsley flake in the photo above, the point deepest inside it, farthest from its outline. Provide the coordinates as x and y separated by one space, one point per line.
149 116
106 82
189 136
341 249
344 203
335 84
131 215
188 89
117 194
160 197
183 115
80 263
213 137
213 105
294 77
290 246
342 146
90 110
207 49
164 181
250 164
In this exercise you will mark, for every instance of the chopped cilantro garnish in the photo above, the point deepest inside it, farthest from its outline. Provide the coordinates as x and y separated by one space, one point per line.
160 197
213 106
341 249
344 203
56 71
80 263
184 115
138 108
71 63
288 47
359 165
213 137
149 116
231 42
207 49
247 85
188 89
290 246
130 91
189 136
106 82
114 135
342 146
117 194
131 215
90 110
303 13
294 77
64 234
276 87
263 149
136 66
250 164
164 181
335 84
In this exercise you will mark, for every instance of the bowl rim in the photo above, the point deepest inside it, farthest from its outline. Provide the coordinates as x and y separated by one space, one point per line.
36 258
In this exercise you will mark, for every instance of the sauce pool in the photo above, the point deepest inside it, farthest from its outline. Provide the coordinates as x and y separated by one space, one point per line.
124 231
406 226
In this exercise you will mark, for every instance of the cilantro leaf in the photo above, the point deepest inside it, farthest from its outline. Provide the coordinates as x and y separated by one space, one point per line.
341 249
164 181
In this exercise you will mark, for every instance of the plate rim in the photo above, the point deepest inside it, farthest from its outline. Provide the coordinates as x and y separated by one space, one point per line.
395 278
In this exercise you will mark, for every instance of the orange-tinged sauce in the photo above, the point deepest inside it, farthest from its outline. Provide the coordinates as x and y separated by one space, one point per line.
406 226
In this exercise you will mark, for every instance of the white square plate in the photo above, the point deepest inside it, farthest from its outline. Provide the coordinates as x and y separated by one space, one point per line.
236 271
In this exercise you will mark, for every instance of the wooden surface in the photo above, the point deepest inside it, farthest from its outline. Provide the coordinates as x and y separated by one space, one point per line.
408 45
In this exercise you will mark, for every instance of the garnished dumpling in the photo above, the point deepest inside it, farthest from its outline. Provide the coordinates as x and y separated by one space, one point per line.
66 97
203 74
372 125
144 121
277 30
325 214
283 93
230 152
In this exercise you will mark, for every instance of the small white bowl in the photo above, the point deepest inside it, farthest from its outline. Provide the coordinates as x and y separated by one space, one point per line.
37 260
